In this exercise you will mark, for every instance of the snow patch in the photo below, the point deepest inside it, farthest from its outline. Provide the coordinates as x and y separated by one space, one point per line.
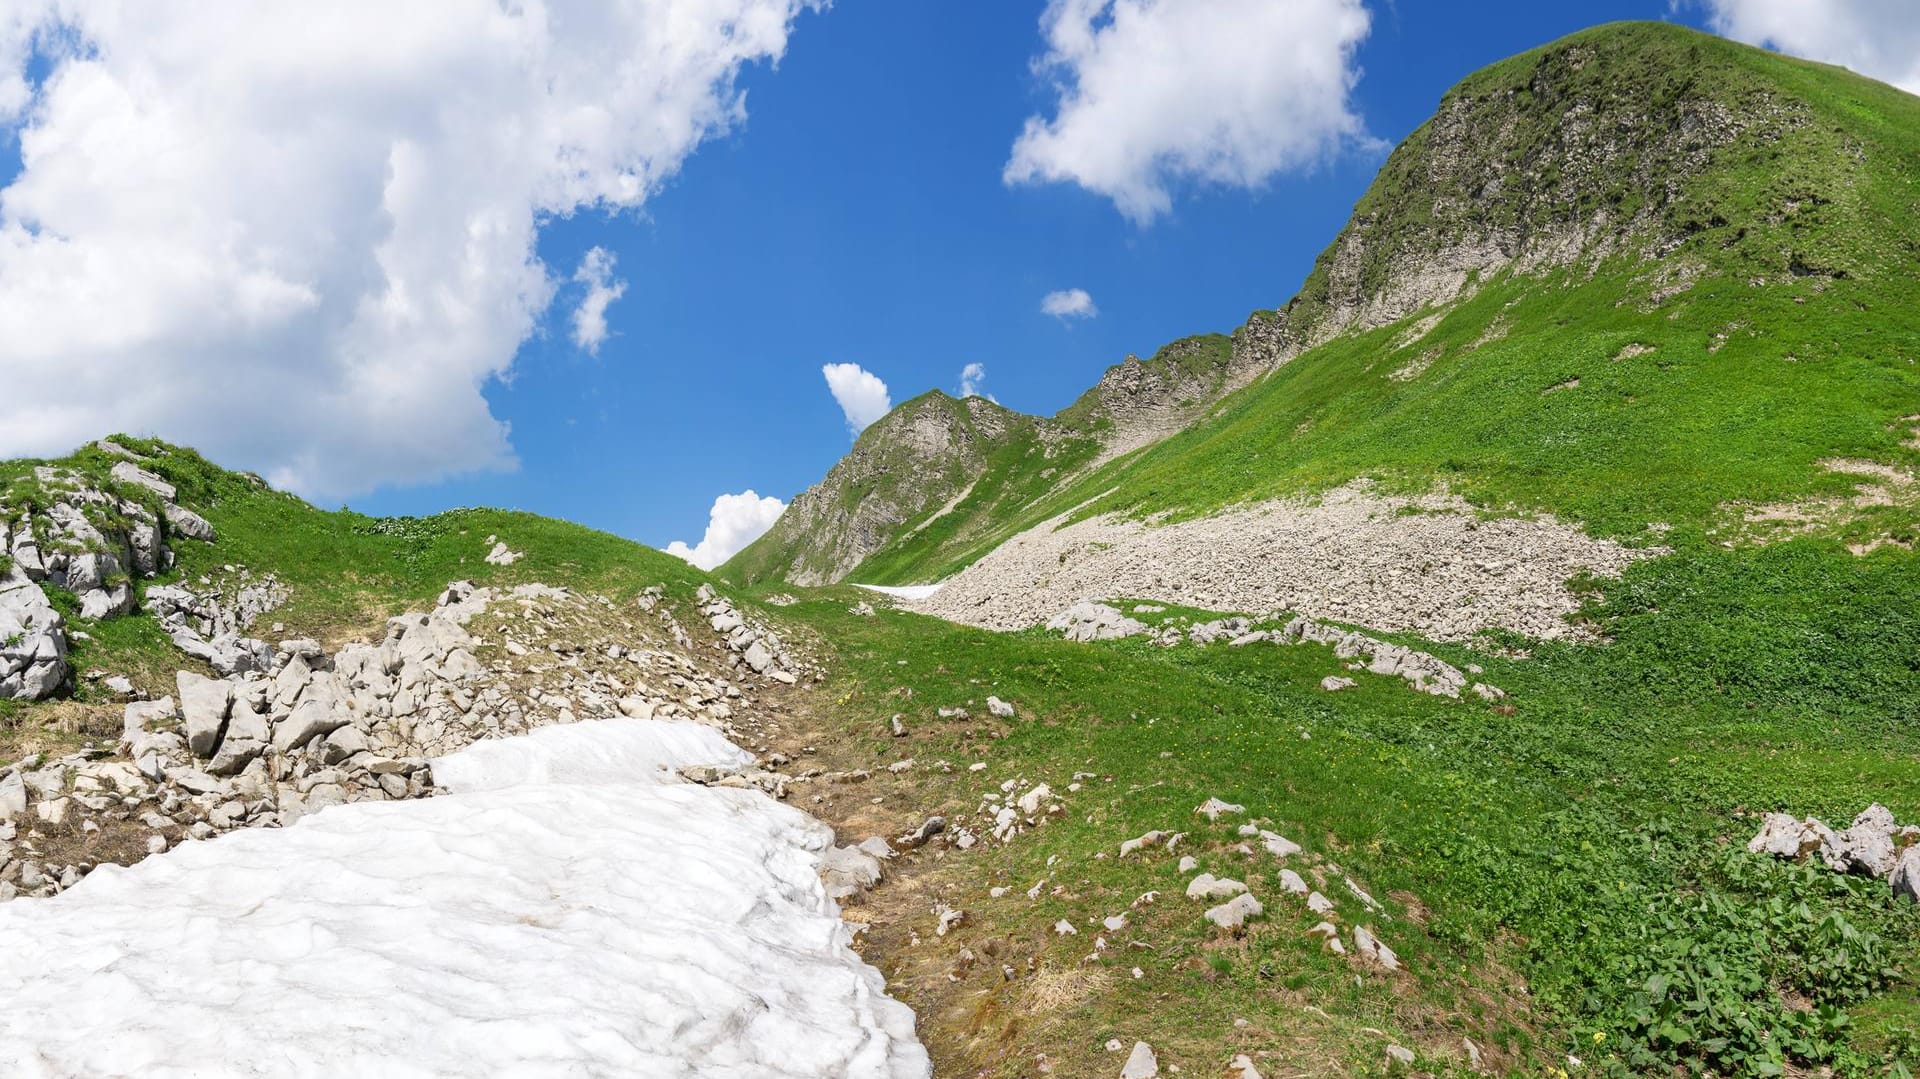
569 909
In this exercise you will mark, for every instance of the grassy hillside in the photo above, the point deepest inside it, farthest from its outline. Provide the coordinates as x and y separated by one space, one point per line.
1733 310
346 573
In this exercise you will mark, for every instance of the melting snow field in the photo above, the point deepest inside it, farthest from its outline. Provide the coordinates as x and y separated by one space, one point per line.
571 908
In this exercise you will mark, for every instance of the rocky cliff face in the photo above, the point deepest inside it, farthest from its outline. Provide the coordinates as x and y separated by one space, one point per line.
914 459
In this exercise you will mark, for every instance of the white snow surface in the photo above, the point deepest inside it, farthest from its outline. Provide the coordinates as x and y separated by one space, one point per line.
904 591
571 909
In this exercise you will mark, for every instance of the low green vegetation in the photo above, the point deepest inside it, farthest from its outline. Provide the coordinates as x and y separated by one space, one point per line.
1588 833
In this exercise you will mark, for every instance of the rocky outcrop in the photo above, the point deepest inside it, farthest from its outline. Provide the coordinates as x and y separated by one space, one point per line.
33 640
1874 845
209 621
907 463
755 647
86 535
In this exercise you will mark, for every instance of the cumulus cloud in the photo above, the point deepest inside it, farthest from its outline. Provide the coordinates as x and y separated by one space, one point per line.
301 236
862 396
590 318
1153 93
734 522
972 377
1068 303
1877 38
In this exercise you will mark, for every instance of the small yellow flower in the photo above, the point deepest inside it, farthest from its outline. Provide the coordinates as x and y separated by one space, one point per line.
1599 1036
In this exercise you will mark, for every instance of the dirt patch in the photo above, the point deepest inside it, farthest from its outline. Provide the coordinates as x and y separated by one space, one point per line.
1882 487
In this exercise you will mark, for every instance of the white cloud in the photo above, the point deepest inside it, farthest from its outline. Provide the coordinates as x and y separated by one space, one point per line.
972 377
1877 38
862 396
734 522
1157 92
590 318
301 236
1068 303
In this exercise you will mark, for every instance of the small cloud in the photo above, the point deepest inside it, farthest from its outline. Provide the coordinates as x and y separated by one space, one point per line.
972 376
862 396
734 522
590 318
1068 303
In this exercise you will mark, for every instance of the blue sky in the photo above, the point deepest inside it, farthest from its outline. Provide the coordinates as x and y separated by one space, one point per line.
858 214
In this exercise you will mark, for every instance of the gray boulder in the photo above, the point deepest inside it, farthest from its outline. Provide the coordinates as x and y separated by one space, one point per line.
203 709
244 742
310 719
33 640
1906 875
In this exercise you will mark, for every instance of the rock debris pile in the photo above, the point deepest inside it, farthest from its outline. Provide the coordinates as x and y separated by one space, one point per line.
1424 672
1428 564
303 729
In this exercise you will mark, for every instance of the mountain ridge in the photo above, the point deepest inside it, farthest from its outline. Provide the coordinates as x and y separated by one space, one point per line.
1631 150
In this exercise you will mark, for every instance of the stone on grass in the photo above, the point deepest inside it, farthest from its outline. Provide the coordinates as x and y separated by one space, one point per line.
1208 886
1214 808
1141 1063
1372 948
1234 912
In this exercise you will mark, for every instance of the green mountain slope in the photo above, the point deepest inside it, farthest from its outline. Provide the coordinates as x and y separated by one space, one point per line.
1640 276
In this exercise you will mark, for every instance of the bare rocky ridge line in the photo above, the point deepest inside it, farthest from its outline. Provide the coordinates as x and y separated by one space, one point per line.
1427 564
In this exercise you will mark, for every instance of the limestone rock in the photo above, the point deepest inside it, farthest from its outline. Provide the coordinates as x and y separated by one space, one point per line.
33 640
999 708
1141 1063
1089 621
1208 886
1370 946
1906 875
128 472
245 740
203 709
311 718
13 796
1214 808
1784 836
1234 912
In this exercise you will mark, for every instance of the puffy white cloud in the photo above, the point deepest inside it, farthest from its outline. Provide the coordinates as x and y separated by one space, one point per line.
301 236
734 522
1157 92
590 318
1877 38
972 377
1068 303
862 396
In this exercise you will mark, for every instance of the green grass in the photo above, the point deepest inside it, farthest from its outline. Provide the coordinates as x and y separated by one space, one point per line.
1591 835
